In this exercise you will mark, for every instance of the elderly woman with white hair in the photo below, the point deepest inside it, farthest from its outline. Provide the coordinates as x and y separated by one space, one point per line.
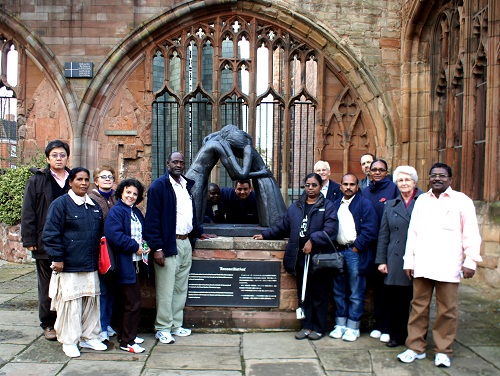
390 252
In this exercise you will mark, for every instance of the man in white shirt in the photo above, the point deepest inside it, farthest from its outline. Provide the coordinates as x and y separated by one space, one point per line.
169 222
356 240
443 246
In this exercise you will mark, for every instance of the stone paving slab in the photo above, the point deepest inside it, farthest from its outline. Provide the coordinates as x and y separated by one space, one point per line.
13 271
18 334
471 337
161 372
81 367
17 318
284 367
18 286
31 369
42 351
346 360
282 345
489 353
471 366
208 339
173 356
6 297
8 352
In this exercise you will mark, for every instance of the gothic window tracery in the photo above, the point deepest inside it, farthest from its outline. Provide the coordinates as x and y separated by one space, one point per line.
241 71
453 99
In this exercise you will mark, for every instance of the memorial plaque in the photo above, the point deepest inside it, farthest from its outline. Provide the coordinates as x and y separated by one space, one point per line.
226 283
78 70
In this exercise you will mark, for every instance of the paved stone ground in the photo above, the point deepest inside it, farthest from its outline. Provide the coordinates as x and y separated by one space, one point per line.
24 351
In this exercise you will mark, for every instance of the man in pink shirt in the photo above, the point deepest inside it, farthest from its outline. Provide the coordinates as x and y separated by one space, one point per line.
443 246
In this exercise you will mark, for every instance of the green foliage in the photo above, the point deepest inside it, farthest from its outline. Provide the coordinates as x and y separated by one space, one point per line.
12 185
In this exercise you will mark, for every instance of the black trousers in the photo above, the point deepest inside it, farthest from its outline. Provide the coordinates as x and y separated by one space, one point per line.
128 312
398 304
315 305
44 273
376 281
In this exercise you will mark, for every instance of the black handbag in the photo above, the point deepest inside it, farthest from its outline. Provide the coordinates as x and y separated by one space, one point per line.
333 261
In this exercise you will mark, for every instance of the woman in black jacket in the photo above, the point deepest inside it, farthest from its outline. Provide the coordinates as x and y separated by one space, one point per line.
305 223
71 237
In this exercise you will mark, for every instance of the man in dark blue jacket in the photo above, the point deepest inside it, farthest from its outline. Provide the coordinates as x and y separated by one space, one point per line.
240 203
169 223
356 239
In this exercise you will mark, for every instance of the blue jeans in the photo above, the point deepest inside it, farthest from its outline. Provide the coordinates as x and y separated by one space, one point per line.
108 286
349 308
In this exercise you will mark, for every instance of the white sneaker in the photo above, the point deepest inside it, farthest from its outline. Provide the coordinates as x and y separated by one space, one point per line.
385 338
442 360
94 344
139 340
338 331
351 335
409 356
181 332
103 337
164 337
71 351
111 331
375 333
135 348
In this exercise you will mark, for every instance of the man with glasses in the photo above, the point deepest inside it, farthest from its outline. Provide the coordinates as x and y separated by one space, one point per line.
42 188
443 246
330 189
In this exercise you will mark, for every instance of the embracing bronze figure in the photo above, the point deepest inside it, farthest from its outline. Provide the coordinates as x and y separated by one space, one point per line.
227 145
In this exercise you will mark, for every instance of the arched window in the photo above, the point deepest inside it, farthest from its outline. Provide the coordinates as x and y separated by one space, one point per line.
458 114
8 102
238 71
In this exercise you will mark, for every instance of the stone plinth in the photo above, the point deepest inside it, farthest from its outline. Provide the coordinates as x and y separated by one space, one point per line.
246 249
235 249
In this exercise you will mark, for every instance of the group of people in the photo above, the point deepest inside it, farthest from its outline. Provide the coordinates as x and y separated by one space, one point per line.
400 241
404 243
63 224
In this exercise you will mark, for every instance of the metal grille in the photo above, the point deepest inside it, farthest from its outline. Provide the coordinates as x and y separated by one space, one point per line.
198 125
165 133
303 120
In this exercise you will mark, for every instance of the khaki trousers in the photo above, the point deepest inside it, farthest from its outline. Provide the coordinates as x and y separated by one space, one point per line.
171 287
445 327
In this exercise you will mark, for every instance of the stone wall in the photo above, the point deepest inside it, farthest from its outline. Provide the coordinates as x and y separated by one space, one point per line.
11 248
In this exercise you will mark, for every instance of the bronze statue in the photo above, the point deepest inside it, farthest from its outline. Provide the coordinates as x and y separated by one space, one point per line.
227 145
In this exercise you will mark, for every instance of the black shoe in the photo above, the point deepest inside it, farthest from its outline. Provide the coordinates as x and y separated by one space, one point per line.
314 336
393 343
302 334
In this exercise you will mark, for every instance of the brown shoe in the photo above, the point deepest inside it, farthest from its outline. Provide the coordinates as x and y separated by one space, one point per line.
50 333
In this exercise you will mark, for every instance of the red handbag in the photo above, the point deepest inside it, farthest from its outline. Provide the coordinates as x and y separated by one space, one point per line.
106 259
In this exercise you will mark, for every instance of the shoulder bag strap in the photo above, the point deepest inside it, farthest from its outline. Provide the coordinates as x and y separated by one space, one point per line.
330 240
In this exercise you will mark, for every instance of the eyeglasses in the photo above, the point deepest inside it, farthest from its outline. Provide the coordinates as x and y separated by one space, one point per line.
378 170
314 185
435 176
405 180
60 155
105 177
